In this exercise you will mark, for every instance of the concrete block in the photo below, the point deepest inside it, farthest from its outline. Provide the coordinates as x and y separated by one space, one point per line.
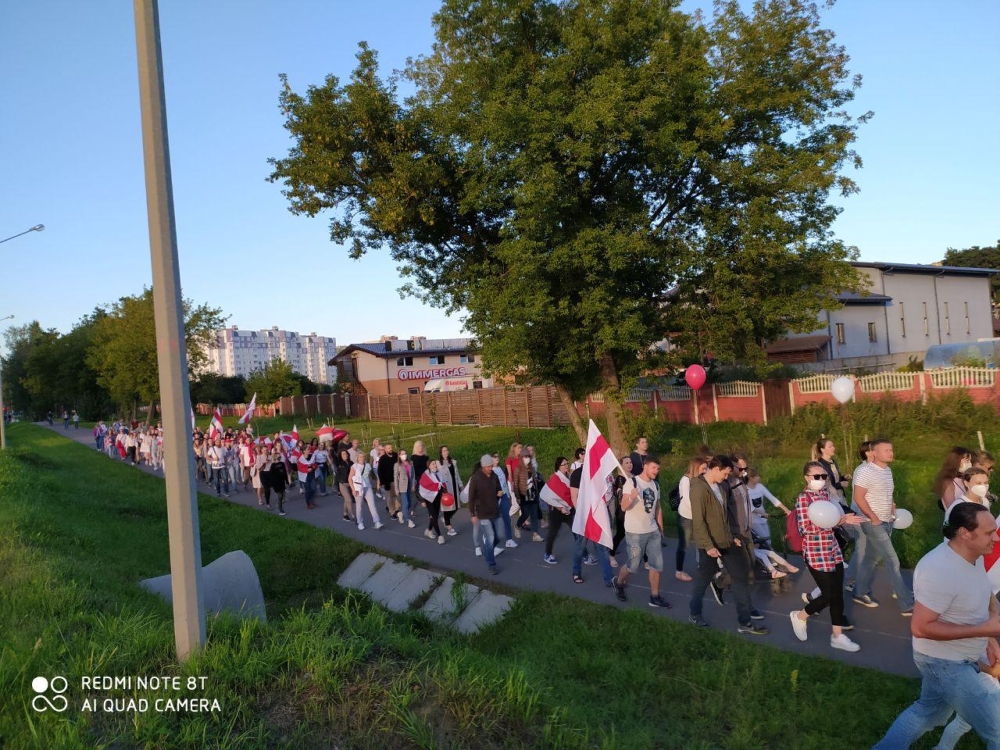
228 584
385 579
417 583
360 570
440 606
483 610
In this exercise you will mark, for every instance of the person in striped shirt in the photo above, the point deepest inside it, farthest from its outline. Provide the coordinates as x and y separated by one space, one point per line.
873 498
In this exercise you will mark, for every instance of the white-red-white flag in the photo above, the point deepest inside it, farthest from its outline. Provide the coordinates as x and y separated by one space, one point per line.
295 433
556 491
250 409
992 567
592 518
215 429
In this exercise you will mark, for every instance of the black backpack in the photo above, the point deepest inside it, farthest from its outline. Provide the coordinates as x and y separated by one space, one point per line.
675 498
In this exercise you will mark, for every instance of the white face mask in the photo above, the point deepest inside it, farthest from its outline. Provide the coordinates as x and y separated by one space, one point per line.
816 484
979 490
964 466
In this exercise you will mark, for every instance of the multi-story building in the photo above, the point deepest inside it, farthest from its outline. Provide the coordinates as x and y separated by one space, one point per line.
391 366
236 352
908 308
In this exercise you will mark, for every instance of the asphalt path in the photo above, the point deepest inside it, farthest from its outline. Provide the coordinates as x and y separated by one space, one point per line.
883 633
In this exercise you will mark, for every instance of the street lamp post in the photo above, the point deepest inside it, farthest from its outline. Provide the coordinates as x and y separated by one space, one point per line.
182 499
36 228
3 423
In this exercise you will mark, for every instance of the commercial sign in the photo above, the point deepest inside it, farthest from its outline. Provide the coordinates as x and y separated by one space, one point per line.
434 372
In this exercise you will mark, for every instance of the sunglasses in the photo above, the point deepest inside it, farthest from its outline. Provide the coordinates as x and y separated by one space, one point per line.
819 476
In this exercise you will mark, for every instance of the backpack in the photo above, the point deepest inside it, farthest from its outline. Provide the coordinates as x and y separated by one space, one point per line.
675 498
793 539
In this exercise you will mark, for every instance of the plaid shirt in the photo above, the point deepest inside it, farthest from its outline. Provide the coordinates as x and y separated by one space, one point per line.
819 546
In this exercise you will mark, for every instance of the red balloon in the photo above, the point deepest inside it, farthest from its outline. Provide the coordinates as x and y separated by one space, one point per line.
447 501
695 376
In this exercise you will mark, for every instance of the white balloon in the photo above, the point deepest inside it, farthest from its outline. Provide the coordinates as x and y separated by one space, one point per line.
904 519
824 514
842 389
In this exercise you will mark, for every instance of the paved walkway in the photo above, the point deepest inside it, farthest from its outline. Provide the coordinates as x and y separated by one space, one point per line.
882 633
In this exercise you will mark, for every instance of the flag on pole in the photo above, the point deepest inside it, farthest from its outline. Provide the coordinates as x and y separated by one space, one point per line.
295 433
992 568
592 518
556 491
215 429
325 434
287 440
250 409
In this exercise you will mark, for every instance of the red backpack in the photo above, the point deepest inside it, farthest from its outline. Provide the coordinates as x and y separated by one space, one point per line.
793 539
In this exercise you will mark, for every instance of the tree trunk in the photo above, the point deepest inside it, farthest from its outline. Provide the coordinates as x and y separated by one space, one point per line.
613 406
574 415
151 414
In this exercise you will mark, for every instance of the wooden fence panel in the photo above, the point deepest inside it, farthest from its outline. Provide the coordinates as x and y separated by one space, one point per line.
464 407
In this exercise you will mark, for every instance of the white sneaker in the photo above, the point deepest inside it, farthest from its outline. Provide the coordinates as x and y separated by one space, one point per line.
361 527
479 552
844 643
401 519
798 625
379 525
536 538
411 524
511 543
441 539
517 533
429 534
452 532
497 551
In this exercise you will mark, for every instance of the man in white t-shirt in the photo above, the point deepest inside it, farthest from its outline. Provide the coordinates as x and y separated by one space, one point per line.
643 530
956 622
873 497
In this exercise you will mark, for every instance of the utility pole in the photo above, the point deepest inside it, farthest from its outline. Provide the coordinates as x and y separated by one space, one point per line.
175 400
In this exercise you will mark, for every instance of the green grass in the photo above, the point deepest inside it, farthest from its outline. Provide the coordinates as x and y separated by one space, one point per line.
77 532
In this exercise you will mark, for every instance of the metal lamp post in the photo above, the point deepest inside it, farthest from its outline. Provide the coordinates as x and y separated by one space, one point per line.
36 228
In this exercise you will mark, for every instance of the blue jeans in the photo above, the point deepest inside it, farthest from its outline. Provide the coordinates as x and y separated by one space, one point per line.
878 544
948 686
603 557
310 487
406 500
321 478
505 516
220 477
486 536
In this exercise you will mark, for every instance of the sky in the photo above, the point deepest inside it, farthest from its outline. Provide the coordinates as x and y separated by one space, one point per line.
71 152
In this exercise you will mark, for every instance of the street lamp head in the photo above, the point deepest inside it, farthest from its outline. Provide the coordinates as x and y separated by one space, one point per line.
37 228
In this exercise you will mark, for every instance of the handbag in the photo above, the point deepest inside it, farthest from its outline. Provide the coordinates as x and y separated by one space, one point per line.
722 578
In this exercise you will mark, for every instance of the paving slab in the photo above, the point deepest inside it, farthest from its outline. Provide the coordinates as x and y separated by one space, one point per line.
440 607
485 609
411 588
360 570
385 579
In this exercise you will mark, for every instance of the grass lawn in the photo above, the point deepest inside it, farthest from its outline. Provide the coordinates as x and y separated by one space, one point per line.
77 532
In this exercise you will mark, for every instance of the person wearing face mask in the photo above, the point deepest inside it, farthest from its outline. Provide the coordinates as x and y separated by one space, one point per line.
824 559
948 483
525 489
975 489
739 509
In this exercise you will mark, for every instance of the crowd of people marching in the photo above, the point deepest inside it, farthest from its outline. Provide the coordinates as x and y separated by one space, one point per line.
721 515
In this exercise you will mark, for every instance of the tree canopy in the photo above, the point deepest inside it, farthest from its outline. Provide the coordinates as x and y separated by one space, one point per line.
124 352
977 257
585 178
272 381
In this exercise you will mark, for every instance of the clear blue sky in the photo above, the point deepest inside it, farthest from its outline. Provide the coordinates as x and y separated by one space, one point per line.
71 152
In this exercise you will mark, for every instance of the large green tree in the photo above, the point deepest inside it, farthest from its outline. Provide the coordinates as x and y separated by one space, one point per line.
123 353
585 177
977 257
272 381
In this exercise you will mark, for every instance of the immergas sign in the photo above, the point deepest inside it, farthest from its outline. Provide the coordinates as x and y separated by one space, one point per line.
434 372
